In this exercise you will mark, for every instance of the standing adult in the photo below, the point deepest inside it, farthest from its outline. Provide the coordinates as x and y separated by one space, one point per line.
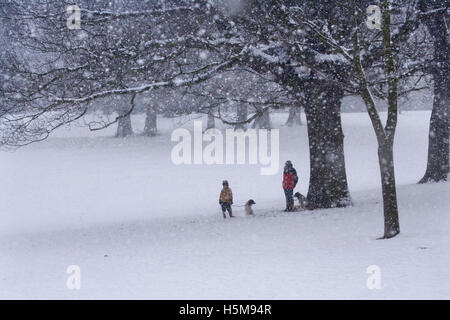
290 180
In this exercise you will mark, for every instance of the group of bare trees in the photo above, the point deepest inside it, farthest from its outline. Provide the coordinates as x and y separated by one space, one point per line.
234 61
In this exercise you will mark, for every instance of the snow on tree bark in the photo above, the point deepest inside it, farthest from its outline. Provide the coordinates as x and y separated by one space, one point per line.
328 186
438 138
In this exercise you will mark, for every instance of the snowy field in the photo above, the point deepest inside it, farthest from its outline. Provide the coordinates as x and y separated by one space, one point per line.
141 227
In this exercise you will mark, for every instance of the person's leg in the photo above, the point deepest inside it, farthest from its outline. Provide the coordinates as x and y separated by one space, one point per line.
230 211
290 200
224 210
287 199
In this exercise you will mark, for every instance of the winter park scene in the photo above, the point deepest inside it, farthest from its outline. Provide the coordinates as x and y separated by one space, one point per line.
224 149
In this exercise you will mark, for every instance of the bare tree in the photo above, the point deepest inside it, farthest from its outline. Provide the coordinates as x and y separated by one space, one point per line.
59 72
377 58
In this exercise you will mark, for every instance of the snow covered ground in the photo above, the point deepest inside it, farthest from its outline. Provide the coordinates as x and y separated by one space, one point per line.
139 226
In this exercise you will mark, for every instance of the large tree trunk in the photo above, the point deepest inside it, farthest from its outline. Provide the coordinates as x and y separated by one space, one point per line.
295 117
124 128
438 141
328 186
388 186
151 121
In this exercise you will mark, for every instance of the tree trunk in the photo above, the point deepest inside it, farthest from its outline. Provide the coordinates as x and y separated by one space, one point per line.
263 121
151 121
211 122
295 117
385 140
438 138
328 186
438 142
388 186
242 114
124 128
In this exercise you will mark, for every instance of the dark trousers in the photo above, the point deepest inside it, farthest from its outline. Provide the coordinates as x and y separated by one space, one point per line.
226 206
289 193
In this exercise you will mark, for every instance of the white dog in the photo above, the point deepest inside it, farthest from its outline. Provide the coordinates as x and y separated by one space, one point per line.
248 207
302 202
